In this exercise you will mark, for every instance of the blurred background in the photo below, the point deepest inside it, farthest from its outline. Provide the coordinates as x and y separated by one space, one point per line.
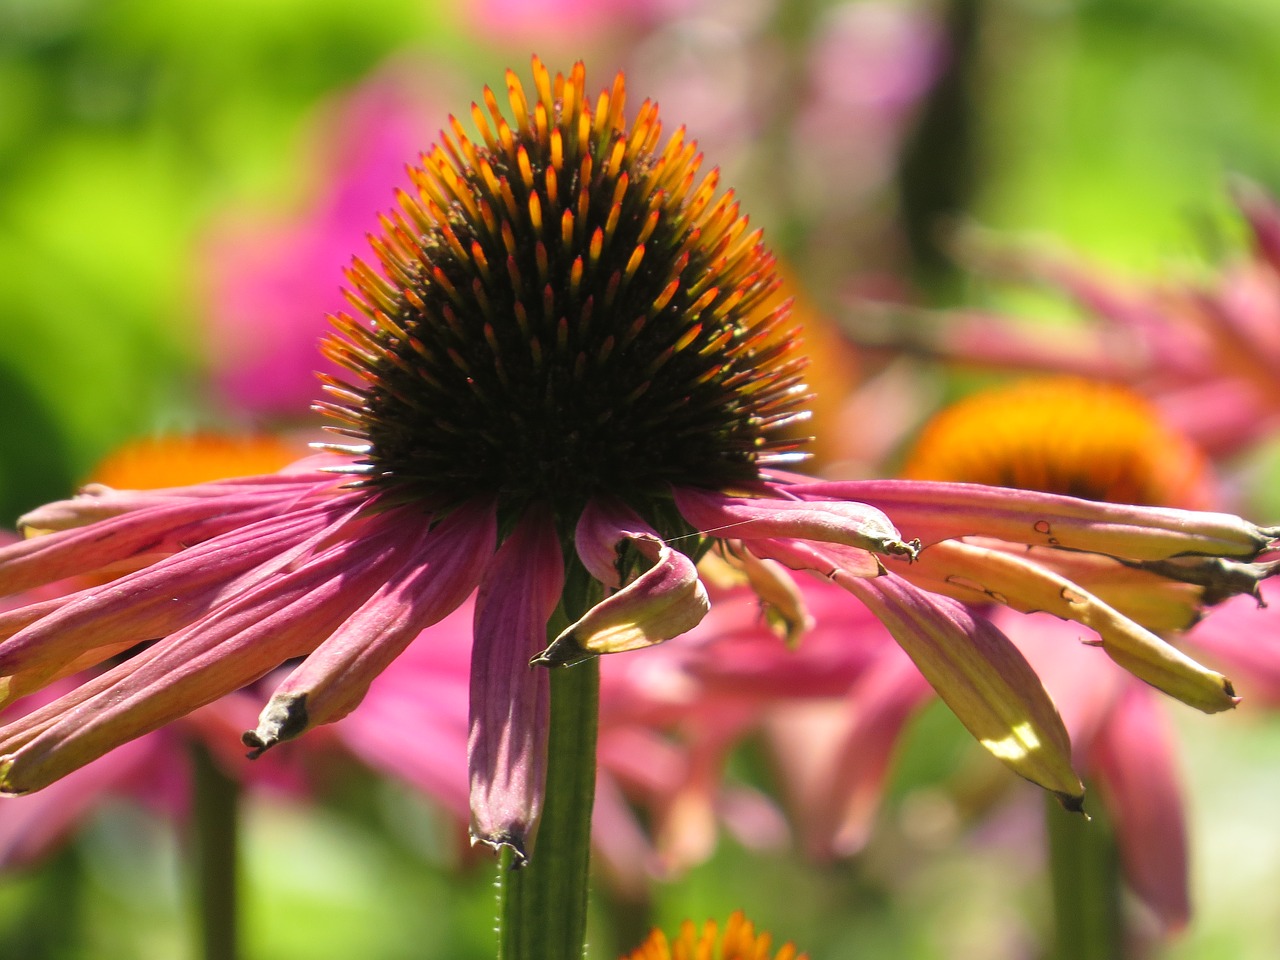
182 184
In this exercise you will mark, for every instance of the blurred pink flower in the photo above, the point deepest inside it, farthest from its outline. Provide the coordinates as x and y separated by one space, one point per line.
1206 353
270 278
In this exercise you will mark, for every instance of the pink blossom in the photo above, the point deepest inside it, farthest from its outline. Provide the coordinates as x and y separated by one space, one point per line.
567 383
1205 351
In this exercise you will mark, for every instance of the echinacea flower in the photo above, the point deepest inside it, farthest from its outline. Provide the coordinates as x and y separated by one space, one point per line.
740 942
1103 442
565 383
1205 350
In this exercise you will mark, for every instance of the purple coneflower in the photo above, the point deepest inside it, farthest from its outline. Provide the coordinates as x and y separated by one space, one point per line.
569 379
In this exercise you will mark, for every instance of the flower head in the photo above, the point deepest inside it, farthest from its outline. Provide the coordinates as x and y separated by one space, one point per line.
565 314
740 942
1104 442
1204 352
569 382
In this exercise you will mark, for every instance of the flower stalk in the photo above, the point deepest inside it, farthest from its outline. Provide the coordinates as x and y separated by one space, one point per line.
1084 870
215 829
543 903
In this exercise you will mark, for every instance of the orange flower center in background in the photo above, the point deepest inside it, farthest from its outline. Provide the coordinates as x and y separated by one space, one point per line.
179 461
1064 435
740 942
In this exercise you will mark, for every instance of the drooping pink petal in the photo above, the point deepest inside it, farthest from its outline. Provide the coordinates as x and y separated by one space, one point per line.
982 677
441 569
222 651
1133 757
935 510
160 598
510 700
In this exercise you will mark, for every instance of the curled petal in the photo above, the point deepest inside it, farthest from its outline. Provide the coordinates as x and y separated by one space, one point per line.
982 677
942 511
604 527
835 521
976 573
663 602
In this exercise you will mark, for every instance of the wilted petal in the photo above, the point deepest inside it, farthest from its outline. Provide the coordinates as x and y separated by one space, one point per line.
510 700
978 574
936 511
982 677
441 570
1133 757
836 521
781 600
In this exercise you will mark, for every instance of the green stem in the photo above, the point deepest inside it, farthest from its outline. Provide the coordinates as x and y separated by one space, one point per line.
1085 872
214 856
543 905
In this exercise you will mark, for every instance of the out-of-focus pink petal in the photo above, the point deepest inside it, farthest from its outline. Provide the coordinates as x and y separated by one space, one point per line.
510 700
32 826
881 703
1241 636
1133 757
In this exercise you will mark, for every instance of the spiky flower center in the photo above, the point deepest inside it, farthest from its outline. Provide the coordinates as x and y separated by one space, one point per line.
565 310
1063 435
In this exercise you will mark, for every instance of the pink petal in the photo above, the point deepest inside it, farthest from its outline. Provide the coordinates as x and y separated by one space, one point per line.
442 568
935 511
838 521
982 677
510 700
1133 757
